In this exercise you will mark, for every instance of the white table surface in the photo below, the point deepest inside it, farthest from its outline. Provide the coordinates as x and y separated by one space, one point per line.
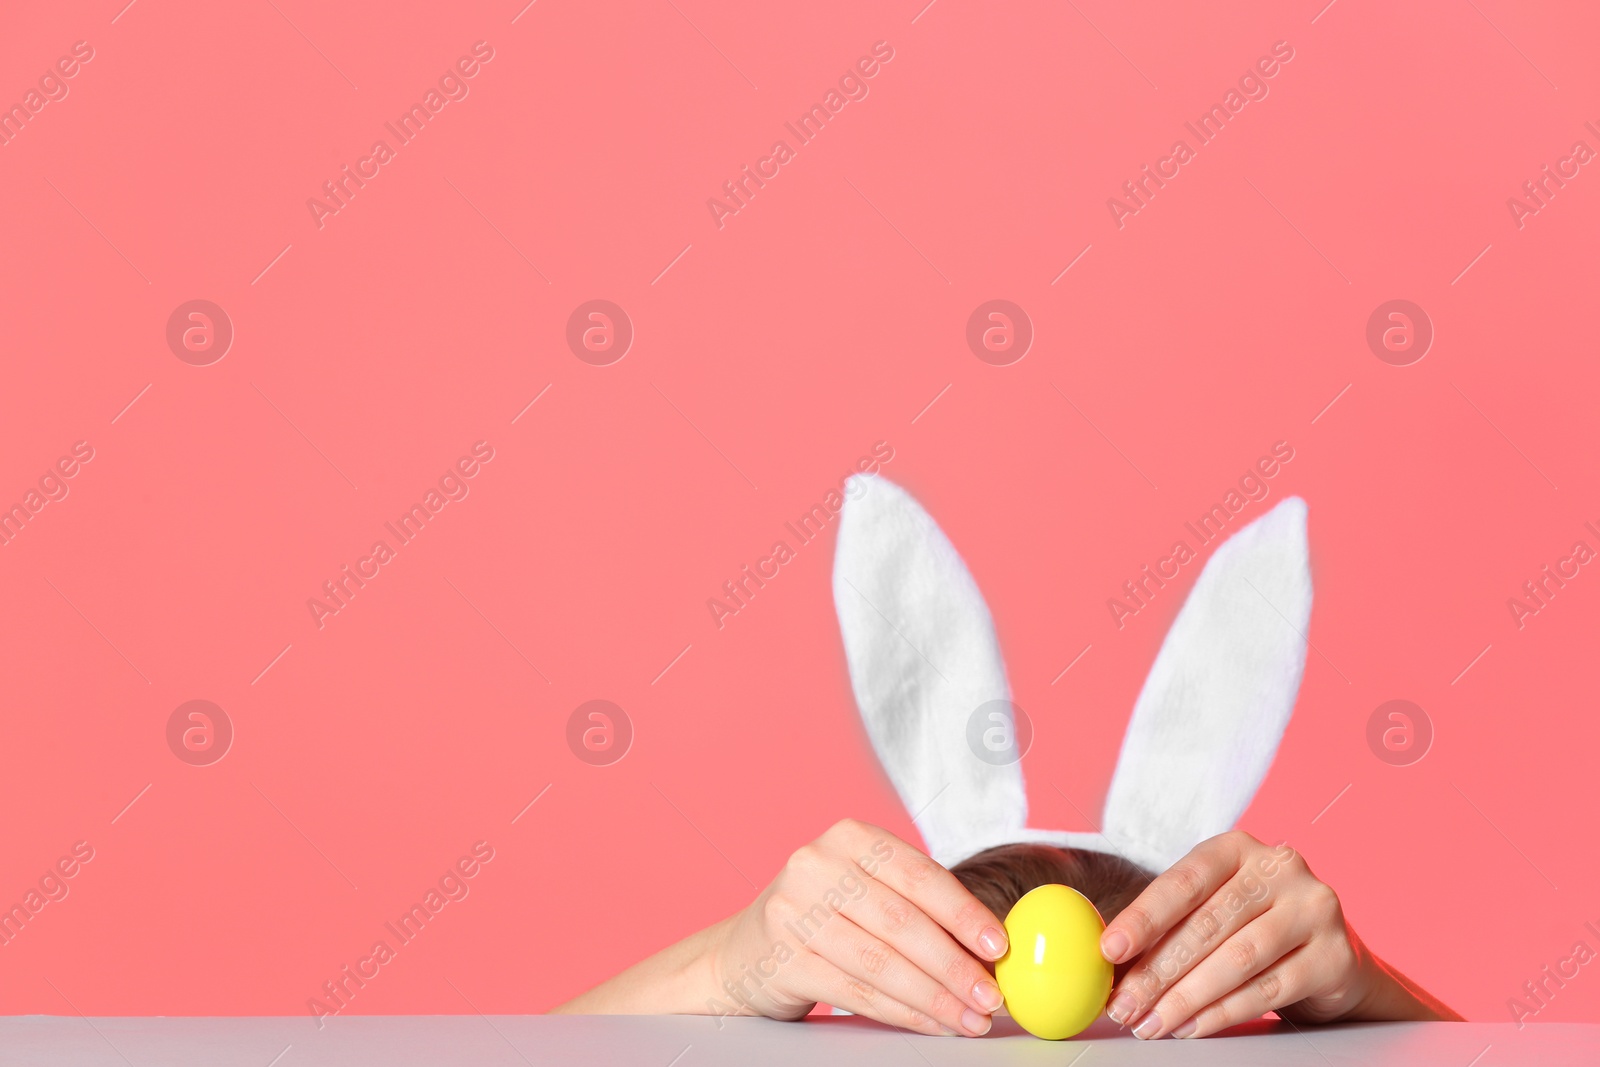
694 1041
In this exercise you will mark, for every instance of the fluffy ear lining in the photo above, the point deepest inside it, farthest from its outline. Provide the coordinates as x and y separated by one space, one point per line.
1208 721
923 657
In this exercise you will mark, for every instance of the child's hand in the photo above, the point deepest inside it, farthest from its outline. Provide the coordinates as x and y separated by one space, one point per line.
861 920
1236 929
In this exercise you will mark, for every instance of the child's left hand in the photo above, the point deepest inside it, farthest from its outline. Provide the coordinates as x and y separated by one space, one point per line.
1236 929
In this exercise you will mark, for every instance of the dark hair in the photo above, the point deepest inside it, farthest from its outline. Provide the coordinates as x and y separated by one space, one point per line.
999 876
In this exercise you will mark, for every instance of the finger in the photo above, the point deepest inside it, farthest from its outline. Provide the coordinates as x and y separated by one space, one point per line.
1231 966
1284 983
885 914
876 964
939 895
830 985
1172 895
1237 902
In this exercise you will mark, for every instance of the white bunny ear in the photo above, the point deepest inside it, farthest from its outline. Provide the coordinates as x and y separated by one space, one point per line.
923 658
1215 705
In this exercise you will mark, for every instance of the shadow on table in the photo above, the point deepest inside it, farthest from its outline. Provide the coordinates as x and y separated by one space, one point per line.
1104 1029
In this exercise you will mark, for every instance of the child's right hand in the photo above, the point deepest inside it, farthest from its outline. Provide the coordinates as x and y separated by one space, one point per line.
863 921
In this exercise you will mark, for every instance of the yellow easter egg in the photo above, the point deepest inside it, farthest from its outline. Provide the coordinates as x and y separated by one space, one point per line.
1053 977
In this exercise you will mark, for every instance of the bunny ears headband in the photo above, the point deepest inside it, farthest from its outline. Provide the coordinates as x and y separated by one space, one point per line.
923 657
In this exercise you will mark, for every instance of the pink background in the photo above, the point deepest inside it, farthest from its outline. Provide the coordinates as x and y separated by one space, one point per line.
769 355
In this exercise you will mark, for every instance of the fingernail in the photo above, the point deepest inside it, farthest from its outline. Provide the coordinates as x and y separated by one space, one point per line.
993 942
947 1032
1148 1027
1186 1030
1114 946
1123 1005
987 994
976 1024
